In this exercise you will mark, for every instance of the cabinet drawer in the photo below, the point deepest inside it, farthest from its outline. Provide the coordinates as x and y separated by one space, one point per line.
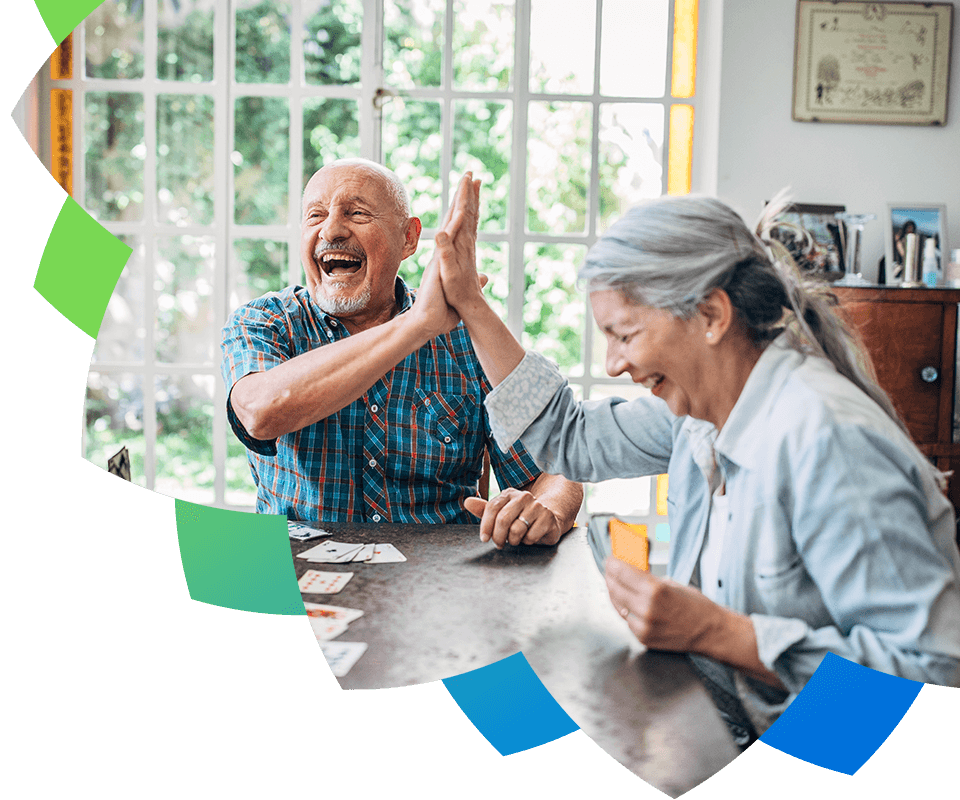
904 341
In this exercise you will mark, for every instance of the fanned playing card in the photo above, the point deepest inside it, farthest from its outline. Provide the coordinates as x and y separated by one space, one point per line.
385 554
329 552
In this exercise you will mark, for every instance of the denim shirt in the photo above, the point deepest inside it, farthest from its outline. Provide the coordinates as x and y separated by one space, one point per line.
838 540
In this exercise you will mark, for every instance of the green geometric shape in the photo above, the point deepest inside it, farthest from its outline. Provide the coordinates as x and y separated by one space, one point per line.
62 16
238 560
80 267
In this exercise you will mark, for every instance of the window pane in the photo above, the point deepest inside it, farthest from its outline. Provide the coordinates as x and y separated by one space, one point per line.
331 130
631 150
257 266
491 259
684 73
482 142
113 416
185 40
185 437
113 36
185 159
680 153
114 154
261 159
263 41
411 144
240 488
633 50
331 41
183 282
413 42
558 166
553 304
483 44
123 330
562 36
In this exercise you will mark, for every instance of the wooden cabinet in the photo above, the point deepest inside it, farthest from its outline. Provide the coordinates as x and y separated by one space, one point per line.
911 335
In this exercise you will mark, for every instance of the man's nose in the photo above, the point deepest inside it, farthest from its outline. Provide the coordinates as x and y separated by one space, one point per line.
333 229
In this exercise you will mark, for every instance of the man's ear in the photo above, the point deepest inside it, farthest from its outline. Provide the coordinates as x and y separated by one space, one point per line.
411 237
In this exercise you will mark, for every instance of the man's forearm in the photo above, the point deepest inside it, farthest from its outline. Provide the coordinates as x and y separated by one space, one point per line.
314 385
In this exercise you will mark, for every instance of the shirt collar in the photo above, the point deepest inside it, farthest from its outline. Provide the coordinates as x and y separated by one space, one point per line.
744 434
402 293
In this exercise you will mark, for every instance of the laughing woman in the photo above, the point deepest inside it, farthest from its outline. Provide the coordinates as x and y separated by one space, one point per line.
803 519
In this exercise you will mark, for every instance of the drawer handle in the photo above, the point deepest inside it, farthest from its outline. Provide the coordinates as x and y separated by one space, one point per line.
929 374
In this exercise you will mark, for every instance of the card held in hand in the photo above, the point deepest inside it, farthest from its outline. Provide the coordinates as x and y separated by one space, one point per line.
119 464
627 541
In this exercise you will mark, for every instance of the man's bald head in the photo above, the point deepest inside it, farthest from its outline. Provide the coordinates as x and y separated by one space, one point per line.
391 182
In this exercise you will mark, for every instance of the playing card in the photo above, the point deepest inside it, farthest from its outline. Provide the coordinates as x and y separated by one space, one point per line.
386 553
315 582
302 533
341 656
331 552
332 612
327 628
598 535
365 553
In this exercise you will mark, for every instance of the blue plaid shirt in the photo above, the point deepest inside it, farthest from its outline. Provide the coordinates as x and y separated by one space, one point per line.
409 450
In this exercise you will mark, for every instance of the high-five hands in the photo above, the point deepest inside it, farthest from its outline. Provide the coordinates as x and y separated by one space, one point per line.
456 245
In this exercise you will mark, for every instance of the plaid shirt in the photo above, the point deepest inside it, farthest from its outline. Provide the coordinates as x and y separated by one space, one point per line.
409 450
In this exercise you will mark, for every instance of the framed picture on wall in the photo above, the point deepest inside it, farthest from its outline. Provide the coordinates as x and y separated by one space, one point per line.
884 63
814 237
928 221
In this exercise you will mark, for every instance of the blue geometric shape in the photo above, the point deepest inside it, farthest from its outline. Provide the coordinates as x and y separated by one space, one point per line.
845 712
510 706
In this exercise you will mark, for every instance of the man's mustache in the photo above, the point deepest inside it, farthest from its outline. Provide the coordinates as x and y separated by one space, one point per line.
352 249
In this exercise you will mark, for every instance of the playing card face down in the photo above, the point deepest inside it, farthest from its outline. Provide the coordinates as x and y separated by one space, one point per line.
629 543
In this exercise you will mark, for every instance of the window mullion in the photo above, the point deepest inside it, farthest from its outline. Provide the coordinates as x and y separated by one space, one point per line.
371 79
518 183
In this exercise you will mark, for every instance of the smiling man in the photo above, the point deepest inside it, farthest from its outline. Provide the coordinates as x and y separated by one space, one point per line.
354 402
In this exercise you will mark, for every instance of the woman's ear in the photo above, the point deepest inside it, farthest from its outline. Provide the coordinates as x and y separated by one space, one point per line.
716 312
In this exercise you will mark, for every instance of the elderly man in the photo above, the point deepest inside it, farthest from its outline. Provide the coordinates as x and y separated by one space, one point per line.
355 402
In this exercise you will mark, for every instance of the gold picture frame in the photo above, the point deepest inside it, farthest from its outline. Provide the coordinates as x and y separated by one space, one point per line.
878 63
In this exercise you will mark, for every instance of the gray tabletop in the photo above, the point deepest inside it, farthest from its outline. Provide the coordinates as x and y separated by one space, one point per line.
457 604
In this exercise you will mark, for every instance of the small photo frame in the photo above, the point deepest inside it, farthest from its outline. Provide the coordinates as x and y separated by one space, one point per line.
928 221
814 237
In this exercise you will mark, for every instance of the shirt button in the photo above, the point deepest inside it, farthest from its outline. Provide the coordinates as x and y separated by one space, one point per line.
426 401
372 462
333 323
376 517
447 439
374 408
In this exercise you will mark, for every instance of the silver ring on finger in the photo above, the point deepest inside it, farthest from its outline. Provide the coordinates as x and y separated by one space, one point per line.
525 522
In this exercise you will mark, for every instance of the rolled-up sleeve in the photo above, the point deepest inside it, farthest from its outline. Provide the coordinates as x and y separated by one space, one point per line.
253 340
594 440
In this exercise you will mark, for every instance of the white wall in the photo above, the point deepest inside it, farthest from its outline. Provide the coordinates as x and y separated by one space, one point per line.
864 167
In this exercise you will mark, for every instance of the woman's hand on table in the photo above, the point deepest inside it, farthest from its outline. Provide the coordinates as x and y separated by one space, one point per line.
515 517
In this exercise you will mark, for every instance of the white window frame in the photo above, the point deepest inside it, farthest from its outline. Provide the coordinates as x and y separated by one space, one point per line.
225 231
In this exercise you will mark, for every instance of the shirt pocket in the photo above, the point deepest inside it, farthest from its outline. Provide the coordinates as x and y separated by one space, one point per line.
447 428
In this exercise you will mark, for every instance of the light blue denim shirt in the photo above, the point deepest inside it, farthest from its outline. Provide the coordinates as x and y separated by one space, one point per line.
839 539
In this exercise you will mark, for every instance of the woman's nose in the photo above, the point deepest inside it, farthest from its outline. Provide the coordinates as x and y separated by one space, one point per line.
615 362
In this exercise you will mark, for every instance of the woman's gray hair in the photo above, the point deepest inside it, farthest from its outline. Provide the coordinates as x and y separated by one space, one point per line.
671 253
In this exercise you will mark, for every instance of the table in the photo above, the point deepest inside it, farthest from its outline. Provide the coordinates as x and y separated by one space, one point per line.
458 604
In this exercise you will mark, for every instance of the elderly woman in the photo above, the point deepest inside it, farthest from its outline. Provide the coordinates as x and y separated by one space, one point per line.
803 519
